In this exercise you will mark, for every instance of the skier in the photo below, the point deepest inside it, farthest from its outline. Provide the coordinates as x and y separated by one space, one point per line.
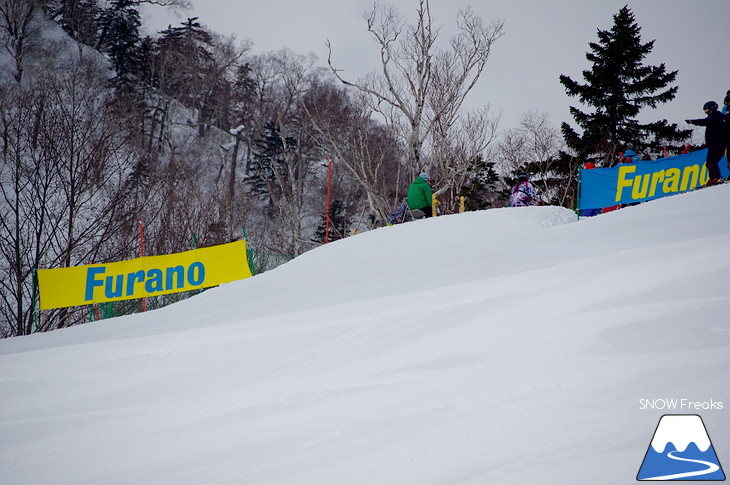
419 196
726 112
714 138
400 214
522 194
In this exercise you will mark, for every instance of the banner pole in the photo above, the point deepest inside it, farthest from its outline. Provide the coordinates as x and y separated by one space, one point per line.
141 252
329 194
249 252
34 313
576 203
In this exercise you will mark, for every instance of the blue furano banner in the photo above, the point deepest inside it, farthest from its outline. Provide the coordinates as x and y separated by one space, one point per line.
628 183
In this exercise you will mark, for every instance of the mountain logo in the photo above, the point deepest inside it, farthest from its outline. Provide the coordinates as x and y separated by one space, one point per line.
680 450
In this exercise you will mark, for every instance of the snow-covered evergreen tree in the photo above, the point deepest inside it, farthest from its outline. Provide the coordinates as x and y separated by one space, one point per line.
120 38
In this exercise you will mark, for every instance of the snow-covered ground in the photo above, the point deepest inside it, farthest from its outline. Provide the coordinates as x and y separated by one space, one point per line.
509 346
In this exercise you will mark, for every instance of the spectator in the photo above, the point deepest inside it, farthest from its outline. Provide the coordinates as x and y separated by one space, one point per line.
715 138
522 194
419 197
726 112
630 156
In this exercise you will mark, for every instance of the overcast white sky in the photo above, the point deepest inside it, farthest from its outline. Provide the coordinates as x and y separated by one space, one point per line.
542 41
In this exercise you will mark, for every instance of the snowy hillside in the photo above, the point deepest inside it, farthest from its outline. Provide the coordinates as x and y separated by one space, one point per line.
509 346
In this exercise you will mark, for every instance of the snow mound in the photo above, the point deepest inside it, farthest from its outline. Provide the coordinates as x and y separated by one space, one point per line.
509 346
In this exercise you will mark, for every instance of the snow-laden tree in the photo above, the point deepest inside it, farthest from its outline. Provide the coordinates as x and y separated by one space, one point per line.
284 158
78 18
120 39
19 30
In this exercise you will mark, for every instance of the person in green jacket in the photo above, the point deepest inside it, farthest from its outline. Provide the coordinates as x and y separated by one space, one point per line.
419 195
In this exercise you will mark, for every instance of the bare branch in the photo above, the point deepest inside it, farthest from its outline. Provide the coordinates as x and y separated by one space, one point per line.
420 88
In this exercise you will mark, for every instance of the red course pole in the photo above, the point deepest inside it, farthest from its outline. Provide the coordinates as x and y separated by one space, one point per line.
329 194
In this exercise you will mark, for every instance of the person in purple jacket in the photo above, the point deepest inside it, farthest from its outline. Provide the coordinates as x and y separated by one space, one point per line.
715 138
522 194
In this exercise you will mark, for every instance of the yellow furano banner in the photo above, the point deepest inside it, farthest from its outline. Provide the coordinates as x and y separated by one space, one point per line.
142 277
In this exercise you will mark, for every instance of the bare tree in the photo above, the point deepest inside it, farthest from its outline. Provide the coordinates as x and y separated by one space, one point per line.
19 28
284 159
68 151
16 228
362 147
534 146
455 149
174 5
421 88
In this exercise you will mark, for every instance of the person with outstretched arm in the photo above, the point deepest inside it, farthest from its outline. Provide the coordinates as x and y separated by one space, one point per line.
726 112
715 138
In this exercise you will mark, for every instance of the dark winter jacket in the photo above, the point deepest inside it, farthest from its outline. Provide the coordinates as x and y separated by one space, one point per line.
419 194
715 131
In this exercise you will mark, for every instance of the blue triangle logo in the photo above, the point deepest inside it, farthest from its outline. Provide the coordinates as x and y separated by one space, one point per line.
680 450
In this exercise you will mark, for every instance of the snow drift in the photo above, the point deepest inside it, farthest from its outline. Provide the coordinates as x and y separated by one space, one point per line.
508 346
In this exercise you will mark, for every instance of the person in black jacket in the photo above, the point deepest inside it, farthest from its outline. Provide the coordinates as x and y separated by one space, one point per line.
715 138
726 112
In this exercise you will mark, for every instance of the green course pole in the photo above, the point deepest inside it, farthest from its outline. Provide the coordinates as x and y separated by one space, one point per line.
577 200
33 294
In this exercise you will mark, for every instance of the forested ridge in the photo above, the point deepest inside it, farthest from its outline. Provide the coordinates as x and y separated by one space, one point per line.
189 139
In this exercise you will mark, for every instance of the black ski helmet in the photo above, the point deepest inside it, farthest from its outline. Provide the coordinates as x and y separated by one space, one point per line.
523 176
711 105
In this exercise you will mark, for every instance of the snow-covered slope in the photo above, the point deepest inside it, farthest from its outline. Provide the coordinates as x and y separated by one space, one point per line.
509 346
